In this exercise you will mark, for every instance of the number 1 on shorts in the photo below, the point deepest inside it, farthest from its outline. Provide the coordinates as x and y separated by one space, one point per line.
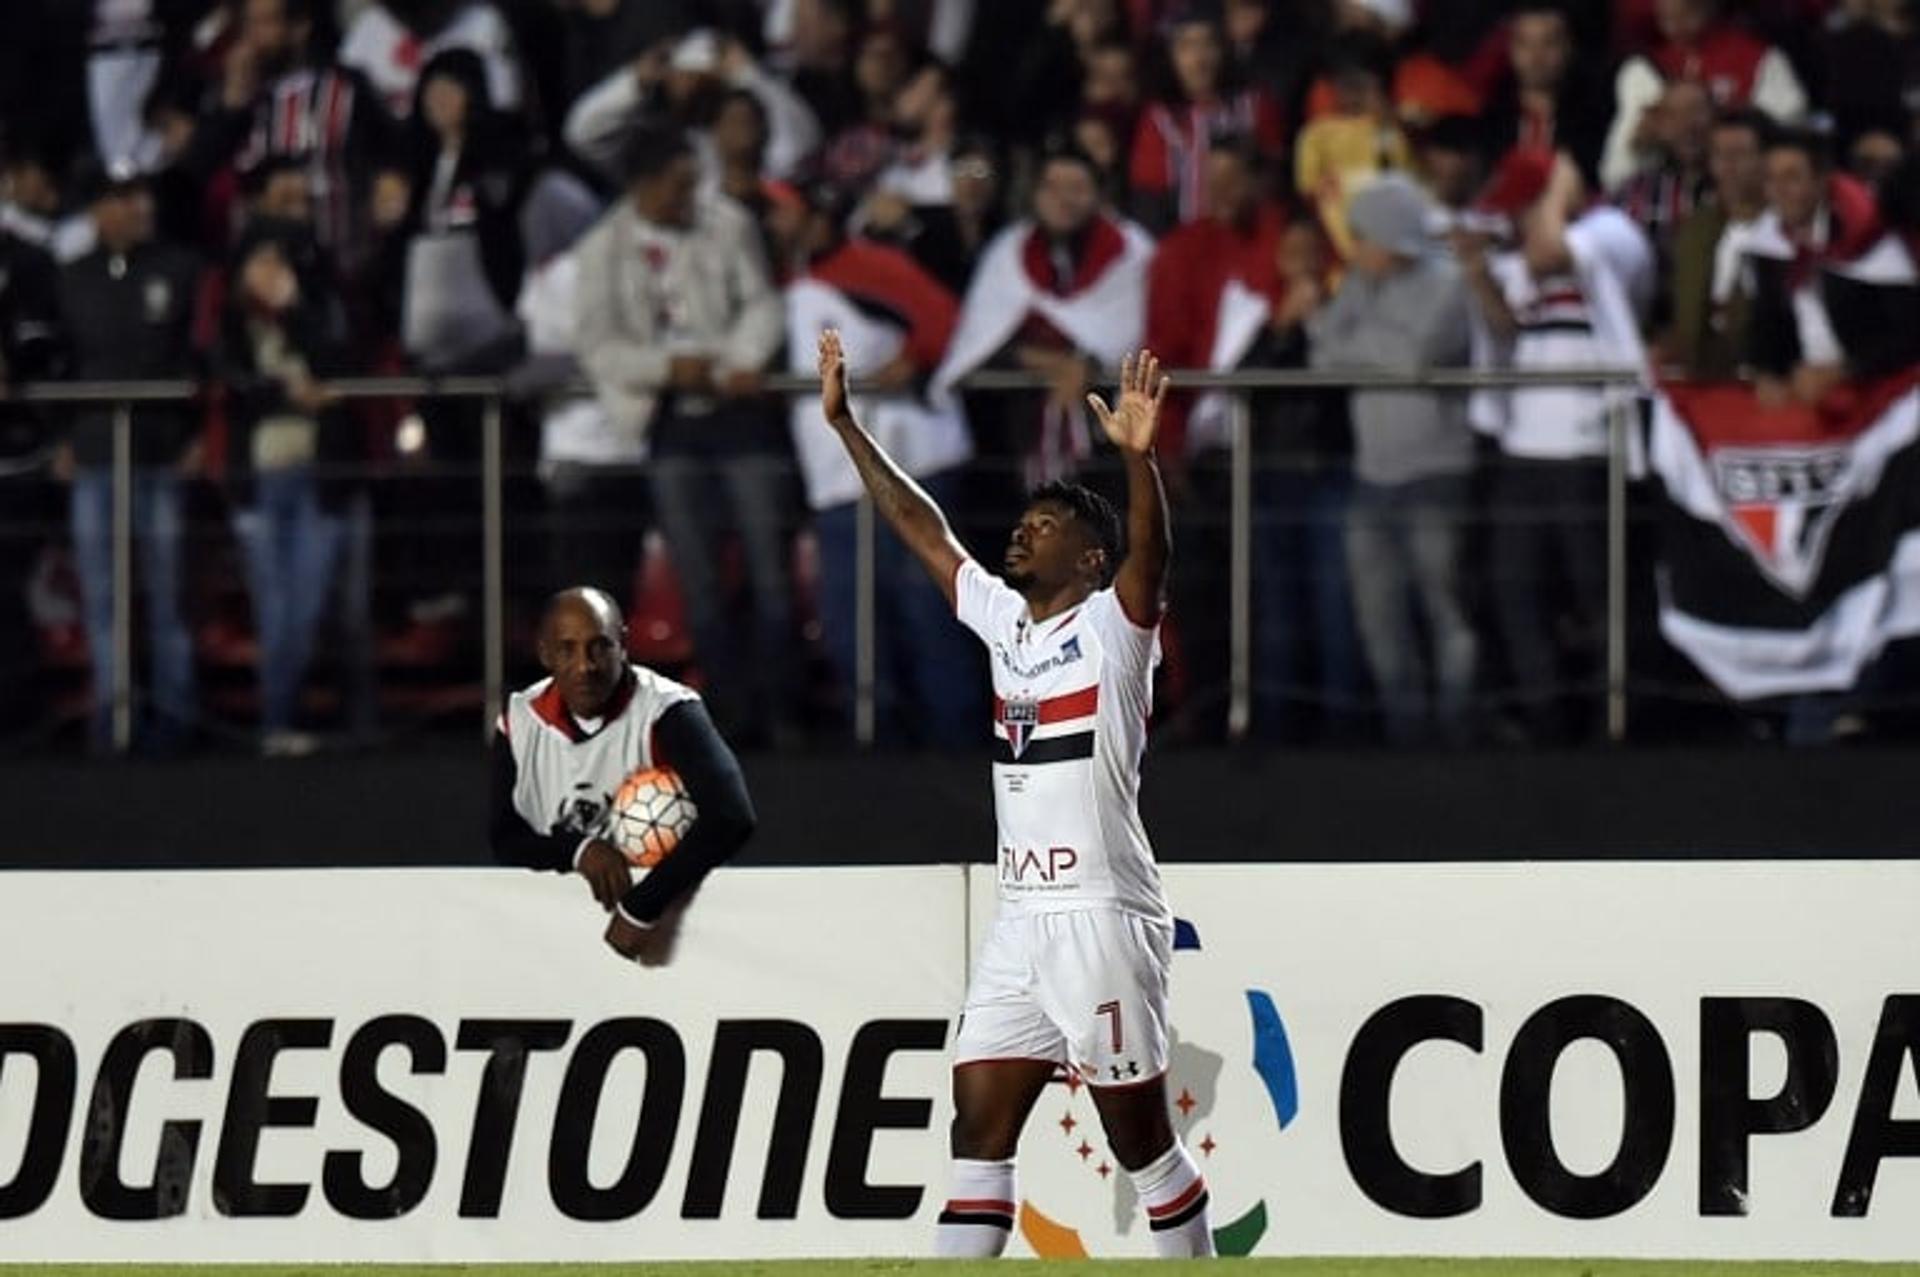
1112 1009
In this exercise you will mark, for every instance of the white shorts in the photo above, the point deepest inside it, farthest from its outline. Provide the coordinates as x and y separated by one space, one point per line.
1085 988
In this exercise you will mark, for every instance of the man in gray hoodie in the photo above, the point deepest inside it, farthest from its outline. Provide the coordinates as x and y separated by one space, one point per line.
1403 306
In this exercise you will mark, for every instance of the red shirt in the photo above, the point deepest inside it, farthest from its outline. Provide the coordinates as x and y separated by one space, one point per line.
1190 269
1725 59
1171 141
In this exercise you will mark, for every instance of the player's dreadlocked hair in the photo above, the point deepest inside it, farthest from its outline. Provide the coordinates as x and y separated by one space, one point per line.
1092 510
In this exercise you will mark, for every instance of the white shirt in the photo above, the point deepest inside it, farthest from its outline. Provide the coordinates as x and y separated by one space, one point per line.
1071 698
567 771
1588 317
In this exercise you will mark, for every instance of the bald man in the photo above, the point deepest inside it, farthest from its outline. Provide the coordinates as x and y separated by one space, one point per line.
566 743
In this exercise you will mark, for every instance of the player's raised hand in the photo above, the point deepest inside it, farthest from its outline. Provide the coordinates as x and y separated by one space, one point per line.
833 377
1134 419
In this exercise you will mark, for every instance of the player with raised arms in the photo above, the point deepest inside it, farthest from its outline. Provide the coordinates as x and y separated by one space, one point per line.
595 768
1074 972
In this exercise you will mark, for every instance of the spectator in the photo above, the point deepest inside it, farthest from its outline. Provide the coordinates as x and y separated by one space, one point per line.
926 116
1043 59
1419 86
279 99
1564 289
1170 143
131 43
896 321
127 307
1338 154
1549 99
1268 52
30 350
281 205
1402 307
279 340
1451 160
946 240
1658 198
1712 299
1869 59
600 36
817 44
1110 85
1834 293
740 146
455 253
1096 137
1877 152
1308 678
1696 43
679 86
866 145
677 320
591 467
1209 288
391 42
1051 293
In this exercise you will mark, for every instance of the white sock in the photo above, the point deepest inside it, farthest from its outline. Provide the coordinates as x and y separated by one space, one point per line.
978 1218
1175 1198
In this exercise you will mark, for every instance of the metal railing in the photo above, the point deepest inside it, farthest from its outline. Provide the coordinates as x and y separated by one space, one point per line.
492 394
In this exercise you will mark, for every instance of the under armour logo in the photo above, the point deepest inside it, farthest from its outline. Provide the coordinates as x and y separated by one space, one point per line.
1132 1070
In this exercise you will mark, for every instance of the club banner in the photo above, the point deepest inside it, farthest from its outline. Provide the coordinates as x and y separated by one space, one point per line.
1674 1059
1790 550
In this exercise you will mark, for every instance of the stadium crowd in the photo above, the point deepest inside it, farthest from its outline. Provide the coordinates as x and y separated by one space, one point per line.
636 210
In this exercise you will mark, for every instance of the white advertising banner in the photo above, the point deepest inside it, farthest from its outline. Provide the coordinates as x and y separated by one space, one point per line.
451 1065
1668 1059
1697 1059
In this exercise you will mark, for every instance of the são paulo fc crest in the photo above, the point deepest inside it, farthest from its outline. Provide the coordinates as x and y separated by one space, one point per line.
1019 717
1783 502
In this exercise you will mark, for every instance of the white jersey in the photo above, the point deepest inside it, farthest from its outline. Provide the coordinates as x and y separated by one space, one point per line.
567 772
1586 317
1071 699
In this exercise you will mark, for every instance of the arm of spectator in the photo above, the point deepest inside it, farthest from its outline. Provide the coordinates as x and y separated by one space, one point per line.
611 356
793 131
1484 294
686 740
1637 87
599 122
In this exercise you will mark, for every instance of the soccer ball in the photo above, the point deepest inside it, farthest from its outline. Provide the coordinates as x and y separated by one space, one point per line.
651 814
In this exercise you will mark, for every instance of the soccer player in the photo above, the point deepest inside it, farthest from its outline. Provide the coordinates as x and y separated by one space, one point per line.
566 743
1074 971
